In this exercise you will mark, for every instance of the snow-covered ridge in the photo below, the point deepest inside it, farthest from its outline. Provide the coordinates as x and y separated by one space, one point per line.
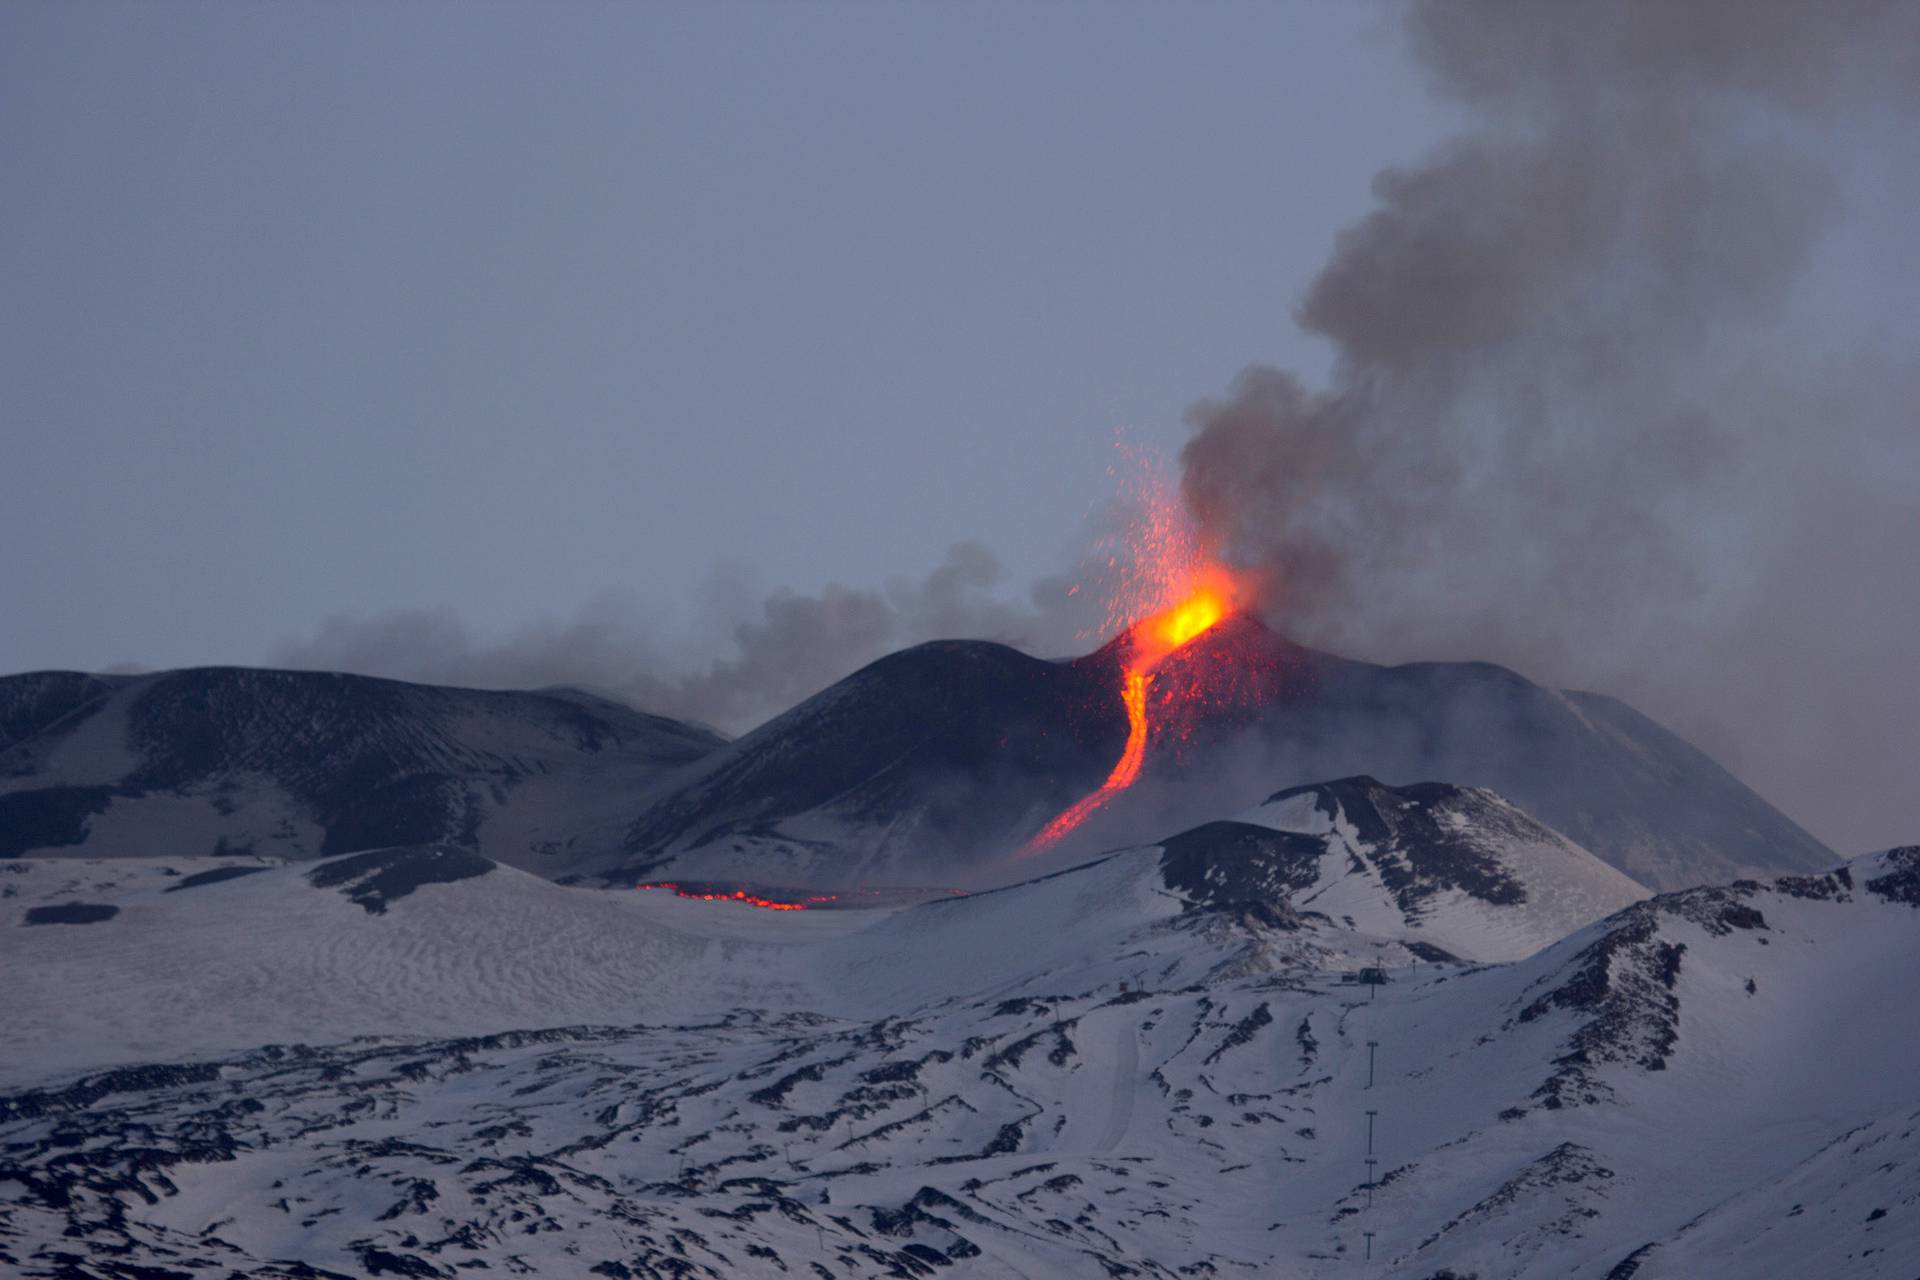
1457 872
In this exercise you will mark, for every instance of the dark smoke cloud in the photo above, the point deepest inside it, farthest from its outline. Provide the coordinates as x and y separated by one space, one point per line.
1578 421
746 654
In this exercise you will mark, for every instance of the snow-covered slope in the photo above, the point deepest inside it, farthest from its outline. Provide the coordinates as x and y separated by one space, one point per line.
1086 1075
223 954
935 764
414 939
119 960
300 764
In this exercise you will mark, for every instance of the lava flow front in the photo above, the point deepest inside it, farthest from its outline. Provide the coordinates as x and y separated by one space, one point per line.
734 893
1149 643
787 898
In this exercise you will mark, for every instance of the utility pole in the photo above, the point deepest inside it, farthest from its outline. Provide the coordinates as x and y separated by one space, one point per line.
1371 1046
1369 1236
1371 1113
1370 1163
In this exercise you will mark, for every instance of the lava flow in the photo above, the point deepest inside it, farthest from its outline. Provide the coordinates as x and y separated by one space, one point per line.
1149 644
784 898
719 893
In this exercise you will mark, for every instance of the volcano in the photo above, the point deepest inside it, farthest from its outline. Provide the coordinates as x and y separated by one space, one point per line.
938 763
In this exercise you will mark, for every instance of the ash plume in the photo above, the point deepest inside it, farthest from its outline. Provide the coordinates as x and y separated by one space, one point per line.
1580 419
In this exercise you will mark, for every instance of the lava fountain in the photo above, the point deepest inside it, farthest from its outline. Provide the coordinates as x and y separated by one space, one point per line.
1164 563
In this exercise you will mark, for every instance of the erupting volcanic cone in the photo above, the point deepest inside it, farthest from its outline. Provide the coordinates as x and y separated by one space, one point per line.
1148 644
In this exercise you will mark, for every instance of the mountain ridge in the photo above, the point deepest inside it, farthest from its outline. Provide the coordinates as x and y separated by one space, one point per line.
932 765
228 759
1230 714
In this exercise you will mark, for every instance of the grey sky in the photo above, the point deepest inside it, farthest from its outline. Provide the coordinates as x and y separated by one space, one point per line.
321 309
530 317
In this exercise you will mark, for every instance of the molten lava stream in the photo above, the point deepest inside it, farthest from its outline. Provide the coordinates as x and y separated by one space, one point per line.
740 895
1151 642
1134 693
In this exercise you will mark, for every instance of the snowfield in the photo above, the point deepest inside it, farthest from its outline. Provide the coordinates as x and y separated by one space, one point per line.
419 1062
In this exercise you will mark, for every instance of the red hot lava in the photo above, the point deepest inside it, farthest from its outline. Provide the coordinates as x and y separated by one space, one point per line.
715 893
1167 591
782 898
1149 642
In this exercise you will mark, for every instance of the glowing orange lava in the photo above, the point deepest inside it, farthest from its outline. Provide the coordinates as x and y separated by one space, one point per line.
1210 600
1134 694
741 895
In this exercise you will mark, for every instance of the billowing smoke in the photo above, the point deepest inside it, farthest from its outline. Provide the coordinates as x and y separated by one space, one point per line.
1584 419
1581 420
745 655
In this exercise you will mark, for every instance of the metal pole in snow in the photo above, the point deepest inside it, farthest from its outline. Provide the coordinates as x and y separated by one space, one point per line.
1370 1115
1371 1046
1370 1163
1369 1236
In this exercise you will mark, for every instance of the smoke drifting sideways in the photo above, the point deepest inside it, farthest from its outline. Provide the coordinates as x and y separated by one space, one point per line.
773 649
1583 418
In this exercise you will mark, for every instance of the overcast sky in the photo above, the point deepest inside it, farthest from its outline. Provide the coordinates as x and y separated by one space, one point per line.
313 312
314 309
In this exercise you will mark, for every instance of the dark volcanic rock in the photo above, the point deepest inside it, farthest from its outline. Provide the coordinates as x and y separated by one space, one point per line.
1421 853
33 703
367 762
48 817
1902 881
215 876
381 876
71 913
957 752
951 746
1237 867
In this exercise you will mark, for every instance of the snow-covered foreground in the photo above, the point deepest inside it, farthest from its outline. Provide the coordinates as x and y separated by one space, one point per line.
1096 1074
